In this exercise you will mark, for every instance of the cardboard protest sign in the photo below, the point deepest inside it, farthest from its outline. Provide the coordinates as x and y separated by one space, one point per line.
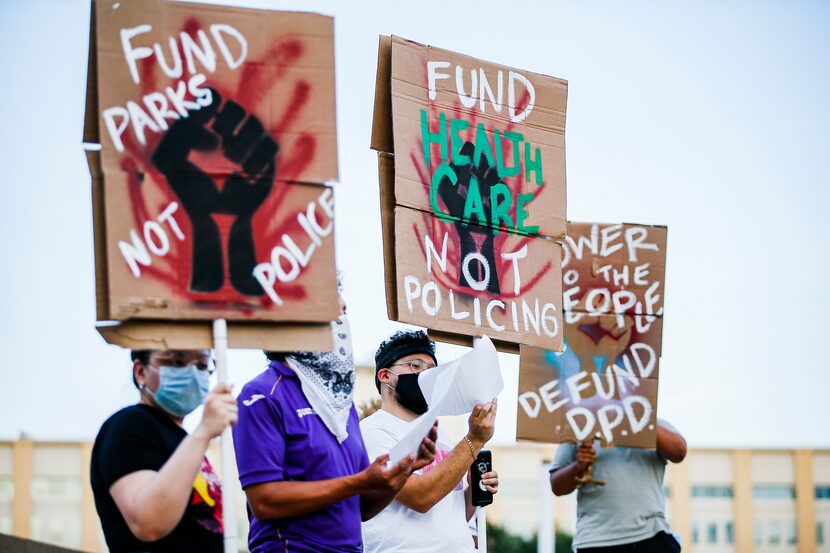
472 177
217 133
604 384
143 334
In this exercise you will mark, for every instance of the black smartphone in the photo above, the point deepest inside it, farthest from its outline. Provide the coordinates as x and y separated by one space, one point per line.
482 465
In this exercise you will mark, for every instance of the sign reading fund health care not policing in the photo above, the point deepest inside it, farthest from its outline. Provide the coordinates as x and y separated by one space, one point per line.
217 133
472 175
604 385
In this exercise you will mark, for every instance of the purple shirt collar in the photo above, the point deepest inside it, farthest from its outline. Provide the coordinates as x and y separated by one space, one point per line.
281 368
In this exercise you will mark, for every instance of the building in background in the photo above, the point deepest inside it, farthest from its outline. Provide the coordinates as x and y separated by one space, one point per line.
45 494
718 500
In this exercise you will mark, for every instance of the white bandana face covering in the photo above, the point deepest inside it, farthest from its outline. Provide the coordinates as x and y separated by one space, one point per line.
327 378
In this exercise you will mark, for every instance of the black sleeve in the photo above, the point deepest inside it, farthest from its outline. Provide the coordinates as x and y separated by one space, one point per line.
131 442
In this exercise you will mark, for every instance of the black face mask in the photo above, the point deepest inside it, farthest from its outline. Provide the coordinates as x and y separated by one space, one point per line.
409 394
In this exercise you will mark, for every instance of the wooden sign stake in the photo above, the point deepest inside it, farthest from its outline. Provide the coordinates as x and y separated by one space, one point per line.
220 349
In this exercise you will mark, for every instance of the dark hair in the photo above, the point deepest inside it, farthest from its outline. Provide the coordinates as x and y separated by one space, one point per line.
401 344
276 356
142 356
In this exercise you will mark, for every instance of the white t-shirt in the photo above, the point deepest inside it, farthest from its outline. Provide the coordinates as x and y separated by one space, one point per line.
399 529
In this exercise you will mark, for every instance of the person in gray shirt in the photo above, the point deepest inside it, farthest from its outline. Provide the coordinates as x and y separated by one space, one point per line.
628 512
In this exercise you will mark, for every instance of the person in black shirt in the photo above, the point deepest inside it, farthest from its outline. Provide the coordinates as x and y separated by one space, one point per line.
154 489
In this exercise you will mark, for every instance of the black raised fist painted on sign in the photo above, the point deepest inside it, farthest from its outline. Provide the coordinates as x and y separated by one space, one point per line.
455 198
244 141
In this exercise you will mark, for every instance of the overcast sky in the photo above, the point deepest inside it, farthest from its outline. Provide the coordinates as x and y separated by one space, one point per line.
710 119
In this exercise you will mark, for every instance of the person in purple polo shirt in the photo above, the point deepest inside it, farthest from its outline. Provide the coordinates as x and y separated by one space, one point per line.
301 457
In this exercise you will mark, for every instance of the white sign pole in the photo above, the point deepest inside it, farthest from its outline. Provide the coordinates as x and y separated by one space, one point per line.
547 536
481 524
481 516
220 350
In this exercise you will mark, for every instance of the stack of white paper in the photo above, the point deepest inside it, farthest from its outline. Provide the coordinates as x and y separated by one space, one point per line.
454 388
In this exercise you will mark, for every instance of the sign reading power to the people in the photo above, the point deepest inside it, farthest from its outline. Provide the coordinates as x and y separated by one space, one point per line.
604 385
473 190
217 133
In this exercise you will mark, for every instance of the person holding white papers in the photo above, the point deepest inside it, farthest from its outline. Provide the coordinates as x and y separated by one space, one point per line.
430 513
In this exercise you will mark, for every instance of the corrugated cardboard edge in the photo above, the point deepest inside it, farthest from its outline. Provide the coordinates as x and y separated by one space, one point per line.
99 237
386 171
624 223
410 42
603 445
382 140
199 335
91 128
336 178
467 340
92 135
602 224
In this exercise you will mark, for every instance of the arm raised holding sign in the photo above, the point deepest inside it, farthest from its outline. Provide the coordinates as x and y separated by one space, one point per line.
431 510
423 492
670 444
629 509
150 478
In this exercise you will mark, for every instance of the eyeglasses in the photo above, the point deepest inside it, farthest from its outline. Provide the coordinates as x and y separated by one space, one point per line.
415 366
174 363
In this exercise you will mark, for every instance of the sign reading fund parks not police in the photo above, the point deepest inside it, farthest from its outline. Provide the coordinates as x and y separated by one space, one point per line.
472 171
217 133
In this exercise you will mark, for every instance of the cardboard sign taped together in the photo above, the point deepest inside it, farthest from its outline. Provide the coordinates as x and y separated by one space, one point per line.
217 133
605 383
472 178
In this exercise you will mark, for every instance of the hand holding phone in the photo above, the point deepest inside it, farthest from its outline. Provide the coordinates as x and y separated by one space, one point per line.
482 465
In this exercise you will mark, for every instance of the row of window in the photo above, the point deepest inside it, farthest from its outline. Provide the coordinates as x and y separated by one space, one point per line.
712 533
759 491
6 524
6 489
772 532
768 532
773 491
822 532
45 488
711 491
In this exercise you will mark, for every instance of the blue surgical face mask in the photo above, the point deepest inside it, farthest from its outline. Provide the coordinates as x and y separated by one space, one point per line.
181 389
